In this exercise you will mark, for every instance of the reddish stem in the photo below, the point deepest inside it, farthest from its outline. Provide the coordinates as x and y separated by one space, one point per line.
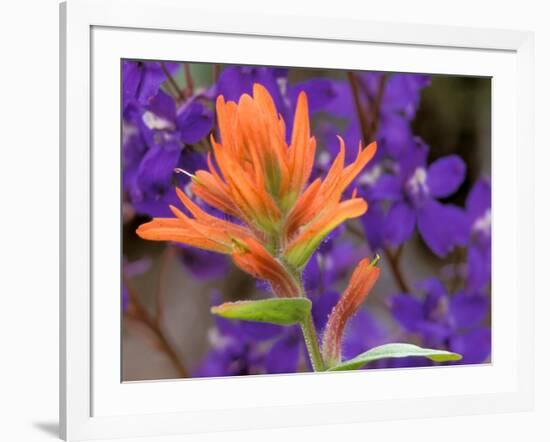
179 94
188 79
137 311
369 127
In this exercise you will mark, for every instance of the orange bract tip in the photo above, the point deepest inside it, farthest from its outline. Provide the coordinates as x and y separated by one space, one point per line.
360 285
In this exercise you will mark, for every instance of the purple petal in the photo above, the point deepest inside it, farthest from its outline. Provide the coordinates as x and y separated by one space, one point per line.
387 187
163 105
320 92
228 328
479 199
363 332
399 224
432 286
394 135
414 158
474 346
342 105
131 76
284 355
237 80
445 176
434 333
156 169
468 310
141 80
478 273
134 146
194 122
257 331
374 224
407 311
402 93
442 226
153 189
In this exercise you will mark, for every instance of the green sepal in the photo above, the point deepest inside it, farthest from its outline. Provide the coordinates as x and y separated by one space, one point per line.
395 350
281 311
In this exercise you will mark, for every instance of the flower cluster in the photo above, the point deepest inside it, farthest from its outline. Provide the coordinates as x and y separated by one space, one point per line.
233 170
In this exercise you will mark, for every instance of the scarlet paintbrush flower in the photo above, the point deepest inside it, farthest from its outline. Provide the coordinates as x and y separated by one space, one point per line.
362 280
263 182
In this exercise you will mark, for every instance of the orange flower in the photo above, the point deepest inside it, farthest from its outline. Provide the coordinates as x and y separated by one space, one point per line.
362 280
263 182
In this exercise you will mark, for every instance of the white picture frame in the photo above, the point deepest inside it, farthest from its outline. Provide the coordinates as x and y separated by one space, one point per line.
95 34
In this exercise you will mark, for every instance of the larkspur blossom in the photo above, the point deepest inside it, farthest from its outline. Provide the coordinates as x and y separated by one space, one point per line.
443 320
413 191
478 212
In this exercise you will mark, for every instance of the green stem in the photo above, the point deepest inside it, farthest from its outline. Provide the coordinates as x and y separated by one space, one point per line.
312 344
308 330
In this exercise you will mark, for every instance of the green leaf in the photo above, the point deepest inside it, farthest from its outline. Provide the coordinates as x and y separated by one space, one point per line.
282 311
395 350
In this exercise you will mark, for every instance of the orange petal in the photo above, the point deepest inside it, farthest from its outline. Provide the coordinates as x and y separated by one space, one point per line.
302 150
305 209
300 249
253 258
170 229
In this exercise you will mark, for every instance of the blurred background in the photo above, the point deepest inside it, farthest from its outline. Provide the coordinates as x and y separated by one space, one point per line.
428 190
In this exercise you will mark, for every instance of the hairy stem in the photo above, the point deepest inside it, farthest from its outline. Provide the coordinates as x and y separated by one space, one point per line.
188 79
312 344
368 122
310 337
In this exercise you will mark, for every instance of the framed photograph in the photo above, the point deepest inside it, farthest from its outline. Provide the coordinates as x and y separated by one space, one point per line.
285 221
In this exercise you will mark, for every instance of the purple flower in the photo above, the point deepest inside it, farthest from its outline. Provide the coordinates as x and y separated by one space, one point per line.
402 94
141 81
413 192
157 135
237 347
478 212
442 320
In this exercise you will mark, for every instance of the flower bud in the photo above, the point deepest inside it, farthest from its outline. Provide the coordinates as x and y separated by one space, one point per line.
362 280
